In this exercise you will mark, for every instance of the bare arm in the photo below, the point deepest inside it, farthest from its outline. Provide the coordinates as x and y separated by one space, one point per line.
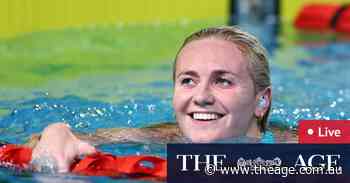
159 133
92 139
170 132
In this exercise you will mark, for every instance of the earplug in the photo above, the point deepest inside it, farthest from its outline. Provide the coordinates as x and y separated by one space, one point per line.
262 102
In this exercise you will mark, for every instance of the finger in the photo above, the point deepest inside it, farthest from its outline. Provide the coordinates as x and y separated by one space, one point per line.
63 166
85 148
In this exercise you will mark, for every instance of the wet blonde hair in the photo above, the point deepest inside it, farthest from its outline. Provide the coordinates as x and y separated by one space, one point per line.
250 47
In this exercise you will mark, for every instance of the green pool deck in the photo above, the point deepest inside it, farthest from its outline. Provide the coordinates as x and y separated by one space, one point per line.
34 59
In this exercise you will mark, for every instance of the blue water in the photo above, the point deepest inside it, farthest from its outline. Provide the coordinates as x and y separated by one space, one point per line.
316 87
309 82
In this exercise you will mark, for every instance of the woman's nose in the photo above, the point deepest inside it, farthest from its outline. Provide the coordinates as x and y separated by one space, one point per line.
204 97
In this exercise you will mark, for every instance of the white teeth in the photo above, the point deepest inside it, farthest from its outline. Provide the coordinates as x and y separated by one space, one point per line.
205 116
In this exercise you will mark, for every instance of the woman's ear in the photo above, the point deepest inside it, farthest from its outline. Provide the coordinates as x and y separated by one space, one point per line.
263 102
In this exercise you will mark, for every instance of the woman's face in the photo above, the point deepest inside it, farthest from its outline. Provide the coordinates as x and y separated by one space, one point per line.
214 94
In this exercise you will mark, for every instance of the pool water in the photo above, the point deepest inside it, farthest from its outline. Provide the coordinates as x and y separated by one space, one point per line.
309 82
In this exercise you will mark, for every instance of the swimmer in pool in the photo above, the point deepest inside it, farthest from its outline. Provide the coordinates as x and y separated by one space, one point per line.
222 90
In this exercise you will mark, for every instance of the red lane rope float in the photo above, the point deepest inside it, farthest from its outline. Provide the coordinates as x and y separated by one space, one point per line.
15 156
316 17
102 164
98 164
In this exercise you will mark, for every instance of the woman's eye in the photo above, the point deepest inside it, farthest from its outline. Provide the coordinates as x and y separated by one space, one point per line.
223 82
187 81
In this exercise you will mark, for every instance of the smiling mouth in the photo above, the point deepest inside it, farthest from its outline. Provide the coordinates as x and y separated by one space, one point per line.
205 116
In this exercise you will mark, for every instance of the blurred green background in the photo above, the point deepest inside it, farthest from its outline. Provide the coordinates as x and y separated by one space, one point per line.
43 41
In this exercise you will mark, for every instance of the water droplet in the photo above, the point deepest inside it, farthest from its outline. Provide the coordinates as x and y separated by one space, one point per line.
129 122
147 148
14 112
37 107
151 107
333 104
296 111
99 112
81 125
317 115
